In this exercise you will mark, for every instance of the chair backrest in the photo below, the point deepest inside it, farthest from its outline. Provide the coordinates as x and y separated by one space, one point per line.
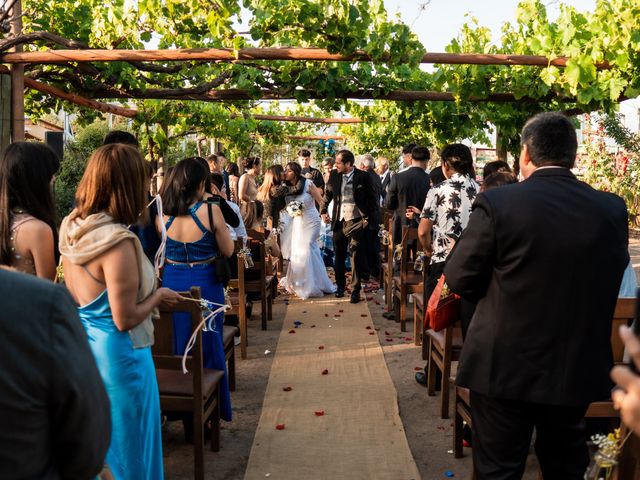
622 315
258 252
409 236
162 350
238 282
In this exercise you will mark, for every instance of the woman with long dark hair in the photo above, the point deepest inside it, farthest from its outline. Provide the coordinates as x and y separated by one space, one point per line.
306 273
248 189
193 242
28 233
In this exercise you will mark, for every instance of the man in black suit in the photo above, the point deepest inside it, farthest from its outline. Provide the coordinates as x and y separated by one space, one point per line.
313 174
353 205
408 188
54 410
544 258
371 260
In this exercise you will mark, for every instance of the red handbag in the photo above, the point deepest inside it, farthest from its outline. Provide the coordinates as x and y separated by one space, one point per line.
442 311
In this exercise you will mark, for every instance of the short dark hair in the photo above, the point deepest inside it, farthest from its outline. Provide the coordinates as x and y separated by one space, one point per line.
551 139
420 154
232 169
217 180
120 136
495 166
212 158
328 161
458 156
304 152
436 176
408 148
346 156
220 153
498 179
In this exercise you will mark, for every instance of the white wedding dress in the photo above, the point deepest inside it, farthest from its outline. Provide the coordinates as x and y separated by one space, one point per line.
306 273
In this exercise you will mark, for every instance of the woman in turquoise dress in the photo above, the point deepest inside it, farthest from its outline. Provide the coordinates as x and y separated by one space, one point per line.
111 279
192 243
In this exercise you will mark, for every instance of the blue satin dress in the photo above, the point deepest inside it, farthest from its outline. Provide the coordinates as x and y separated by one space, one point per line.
129 377
182 276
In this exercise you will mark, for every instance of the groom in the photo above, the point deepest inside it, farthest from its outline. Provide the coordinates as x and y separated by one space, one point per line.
354 200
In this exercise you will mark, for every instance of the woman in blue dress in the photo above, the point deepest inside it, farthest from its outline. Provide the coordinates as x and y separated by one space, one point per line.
112 280
192 244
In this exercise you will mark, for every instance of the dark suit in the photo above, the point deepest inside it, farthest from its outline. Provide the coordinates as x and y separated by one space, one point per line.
544 258
407 188
364 197
371 261
385 181
314 175
54 410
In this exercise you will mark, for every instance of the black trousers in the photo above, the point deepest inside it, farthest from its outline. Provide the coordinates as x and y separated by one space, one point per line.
353 246
370 261
502 431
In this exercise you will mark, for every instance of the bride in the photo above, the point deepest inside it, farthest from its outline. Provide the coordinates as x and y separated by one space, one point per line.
306 273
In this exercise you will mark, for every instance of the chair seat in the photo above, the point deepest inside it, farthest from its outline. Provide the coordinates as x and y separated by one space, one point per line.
174 382
438 338
228 332
252 284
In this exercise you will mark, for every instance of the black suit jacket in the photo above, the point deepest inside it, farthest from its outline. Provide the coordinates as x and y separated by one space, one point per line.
54 410
544 258
363 194
314 175
385 184
376 218
406 188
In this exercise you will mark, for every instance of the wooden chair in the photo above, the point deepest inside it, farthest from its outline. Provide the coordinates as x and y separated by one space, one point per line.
238 300
629 459
444 347
623 315
196 392
407 281
420 301
386 267
257 280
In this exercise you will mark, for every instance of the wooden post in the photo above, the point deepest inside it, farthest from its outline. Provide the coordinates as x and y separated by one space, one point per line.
5 110
501 149
17 79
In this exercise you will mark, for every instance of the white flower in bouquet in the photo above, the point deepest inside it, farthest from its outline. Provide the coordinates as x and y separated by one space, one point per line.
295 208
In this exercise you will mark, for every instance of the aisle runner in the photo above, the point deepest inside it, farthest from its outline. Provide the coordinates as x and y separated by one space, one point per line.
330 409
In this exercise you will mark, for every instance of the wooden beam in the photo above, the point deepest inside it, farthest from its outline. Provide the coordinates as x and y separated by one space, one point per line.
78 100
303 54
289 118
315 137
397 95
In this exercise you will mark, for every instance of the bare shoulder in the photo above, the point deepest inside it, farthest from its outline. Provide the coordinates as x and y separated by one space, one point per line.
36 227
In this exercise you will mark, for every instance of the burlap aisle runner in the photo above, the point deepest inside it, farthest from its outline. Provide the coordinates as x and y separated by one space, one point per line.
343 424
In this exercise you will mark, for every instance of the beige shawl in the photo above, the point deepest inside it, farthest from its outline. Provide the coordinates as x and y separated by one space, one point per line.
82 240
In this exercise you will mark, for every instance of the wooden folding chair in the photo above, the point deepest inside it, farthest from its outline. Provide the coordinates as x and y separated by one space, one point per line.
444 347
196 392
386 267
238 300
629 459
257 280
407 281
419 308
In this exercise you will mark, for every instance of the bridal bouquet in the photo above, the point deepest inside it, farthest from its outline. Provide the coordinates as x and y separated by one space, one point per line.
295 208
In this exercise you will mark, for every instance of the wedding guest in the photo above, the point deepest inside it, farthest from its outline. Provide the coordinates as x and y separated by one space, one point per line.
273 191
112 280
28 233
498 179
327 166
445 215
382 169
235 231
217 164
371 259
436 176
217 196
495 166
54 410
120 136
405 158
627 397
248 189
538 349
313 174
234 177
193 242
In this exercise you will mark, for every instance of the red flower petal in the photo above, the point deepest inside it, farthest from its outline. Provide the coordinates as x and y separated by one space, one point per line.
337 315
319 413
321 347
363 314
377 329
292 331
326 314
369 299
313 326
417 369
385 332
280 426
325 372
287 389
389 339
377 302
368 327
372 333
341 311
408 339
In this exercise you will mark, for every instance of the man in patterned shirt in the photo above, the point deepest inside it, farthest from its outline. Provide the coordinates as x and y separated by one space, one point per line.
446 213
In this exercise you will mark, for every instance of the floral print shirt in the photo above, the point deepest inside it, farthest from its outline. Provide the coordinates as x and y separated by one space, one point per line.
448 206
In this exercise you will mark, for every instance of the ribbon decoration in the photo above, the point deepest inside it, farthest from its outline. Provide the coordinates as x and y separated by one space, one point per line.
158 260
204 325
245 254
418 265
384 235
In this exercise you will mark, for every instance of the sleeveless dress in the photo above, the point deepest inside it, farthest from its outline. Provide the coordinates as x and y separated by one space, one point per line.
129 377
306 273
22 263
183 275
